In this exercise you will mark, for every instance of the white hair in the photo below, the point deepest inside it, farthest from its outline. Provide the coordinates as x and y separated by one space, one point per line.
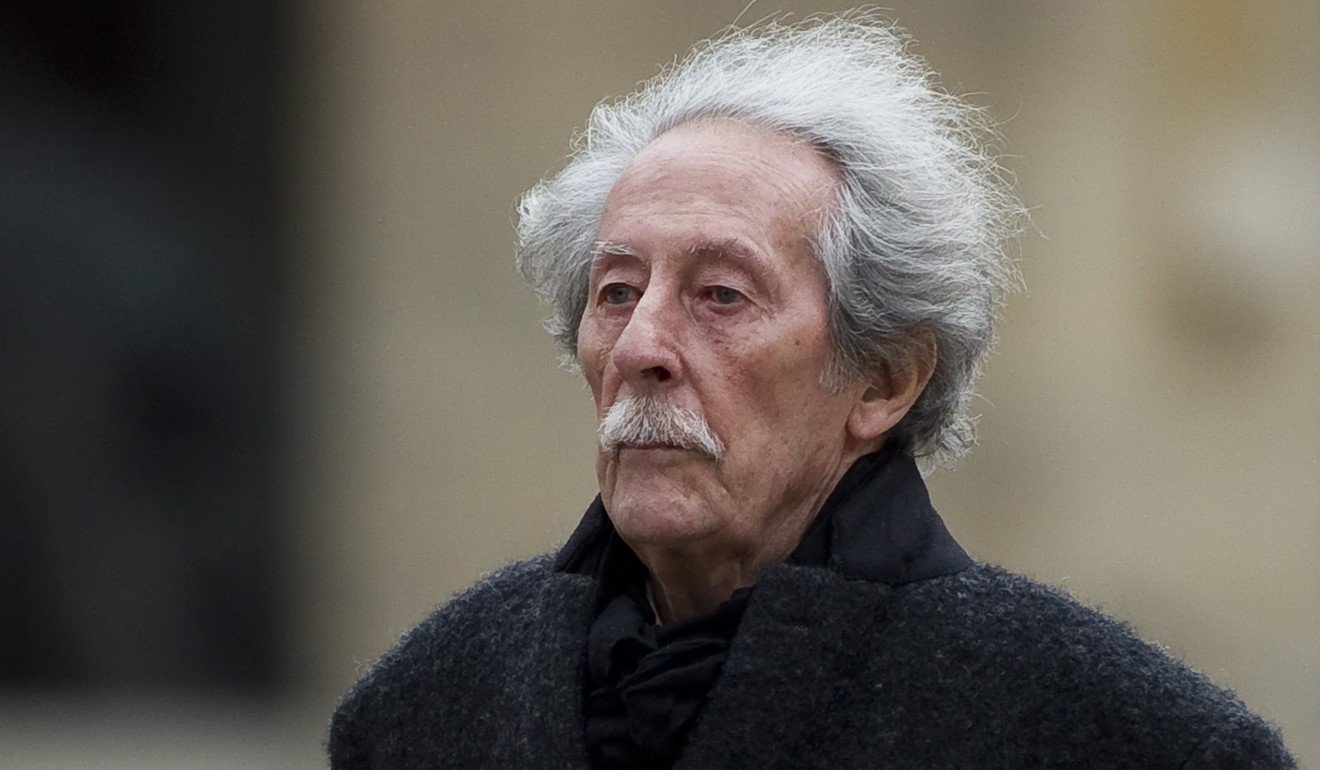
913 247
652 419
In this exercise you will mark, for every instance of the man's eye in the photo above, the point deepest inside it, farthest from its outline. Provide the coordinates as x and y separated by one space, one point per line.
723 295
618 294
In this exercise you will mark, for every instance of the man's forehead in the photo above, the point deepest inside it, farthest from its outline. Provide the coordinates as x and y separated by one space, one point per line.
731 251
716 248
747 196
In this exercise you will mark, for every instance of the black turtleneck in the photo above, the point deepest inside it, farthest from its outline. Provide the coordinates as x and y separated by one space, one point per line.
647 682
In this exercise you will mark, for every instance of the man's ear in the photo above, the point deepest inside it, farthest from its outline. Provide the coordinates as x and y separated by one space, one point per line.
889 395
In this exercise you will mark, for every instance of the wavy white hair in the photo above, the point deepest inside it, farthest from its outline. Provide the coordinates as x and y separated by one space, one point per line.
914 248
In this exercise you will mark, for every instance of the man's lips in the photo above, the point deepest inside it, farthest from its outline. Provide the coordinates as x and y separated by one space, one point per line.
657 453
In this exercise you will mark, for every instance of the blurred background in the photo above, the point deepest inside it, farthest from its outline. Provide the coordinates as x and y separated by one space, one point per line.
271 388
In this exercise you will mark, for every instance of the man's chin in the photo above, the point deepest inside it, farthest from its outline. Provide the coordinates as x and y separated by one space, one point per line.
656 523
650 503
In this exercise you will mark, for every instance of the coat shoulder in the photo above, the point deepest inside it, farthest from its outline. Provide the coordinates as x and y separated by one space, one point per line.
456 646
1066 674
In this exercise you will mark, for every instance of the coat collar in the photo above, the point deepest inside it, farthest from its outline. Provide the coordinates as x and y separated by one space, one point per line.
879 525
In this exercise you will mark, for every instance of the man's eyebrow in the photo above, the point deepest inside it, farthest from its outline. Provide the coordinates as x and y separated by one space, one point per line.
732 249
729 248
609 248
602 251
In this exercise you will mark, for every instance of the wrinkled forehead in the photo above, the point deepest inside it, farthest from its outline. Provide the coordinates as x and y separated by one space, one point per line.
721 182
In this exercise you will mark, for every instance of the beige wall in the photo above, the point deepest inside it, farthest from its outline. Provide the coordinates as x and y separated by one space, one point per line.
1149 438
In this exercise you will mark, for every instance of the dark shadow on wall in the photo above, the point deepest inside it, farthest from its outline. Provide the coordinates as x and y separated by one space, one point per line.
141 284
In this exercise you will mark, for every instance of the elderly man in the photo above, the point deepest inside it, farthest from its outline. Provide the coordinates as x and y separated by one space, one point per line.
778 266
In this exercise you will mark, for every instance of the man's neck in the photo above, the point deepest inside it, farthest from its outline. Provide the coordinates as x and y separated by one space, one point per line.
689 582
678 601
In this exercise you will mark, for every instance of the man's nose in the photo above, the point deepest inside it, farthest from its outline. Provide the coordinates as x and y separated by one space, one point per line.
647 351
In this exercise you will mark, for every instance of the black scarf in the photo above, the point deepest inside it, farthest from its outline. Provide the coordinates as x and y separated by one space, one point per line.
647 683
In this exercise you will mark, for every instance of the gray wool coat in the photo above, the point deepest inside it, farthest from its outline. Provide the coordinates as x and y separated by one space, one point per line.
981 668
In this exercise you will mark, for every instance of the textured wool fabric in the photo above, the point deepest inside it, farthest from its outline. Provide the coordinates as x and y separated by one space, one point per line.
982 668
879 644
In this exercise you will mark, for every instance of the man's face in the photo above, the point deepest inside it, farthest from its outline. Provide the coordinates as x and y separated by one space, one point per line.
706 294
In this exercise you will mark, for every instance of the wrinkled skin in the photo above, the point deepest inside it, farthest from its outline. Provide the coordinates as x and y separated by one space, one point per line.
705 291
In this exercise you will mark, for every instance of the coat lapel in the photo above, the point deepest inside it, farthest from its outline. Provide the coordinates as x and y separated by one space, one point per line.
778 700
550 670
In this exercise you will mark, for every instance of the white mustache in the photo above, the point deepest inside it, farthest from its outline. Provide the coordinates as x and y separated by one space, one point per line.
636 420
